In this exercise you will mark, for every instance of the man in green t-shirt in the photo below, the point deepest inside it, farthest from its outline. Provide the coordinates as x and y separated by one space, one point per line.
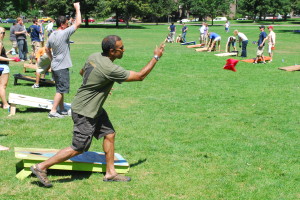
90 119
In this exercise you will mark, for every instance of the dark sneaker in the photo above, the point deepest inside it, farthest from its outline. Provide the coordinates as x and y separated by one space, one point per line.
117 178
41 175
55 115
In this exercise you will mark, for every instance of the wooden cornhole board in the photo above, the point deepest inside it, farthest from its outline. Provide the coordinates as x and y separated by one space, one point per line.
267 58
19 99
88 161
201 49
291 68
195 46
227 54
32 79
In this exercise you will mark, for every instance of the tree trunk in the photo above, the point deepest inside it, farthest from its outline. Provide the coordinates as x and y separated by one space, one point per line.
117 19
86 20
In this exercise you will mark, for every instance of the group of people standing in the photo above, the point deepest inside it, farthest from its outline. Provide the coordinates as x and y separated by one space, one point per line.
212 39
172 34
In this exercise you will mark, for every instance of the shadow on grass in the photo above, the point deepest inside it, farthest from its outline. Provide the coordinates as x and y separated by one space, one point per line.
243 21
140 161
288 31
113 26
75 175
3 135
29 83
32 110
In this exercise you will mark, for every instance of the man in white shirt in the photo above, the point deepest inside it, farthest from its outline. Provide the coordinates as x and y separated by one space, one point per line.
242 39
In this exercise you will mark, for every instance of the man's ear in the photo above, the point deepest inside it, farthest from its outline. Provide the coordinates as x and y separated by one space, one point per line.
111 52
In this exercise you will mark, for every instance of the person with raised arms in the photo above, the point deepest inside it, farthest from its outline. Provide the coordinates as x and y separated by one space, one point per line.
89 117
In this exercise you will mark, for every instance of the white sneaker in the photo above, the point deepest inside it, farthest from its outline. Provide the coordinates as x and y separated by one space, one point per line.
35 86
55 115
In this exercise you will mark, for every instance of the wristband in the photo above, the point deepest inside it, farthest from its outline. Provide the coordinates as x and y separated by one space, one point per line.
156 57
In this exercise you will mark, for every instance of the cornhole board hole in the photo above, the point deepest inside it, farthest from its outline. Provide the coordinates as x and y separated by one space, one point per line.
267 58
201 49
28 66
291 68
88 161
227 54
195 46
32 79
189 43
19 99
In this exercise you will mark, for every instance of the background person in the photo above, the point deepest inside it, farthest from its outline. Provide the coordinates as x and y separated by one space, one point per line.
184 32
242 39
4 64
231 41
21 33
90 119
227 25
260 45
49 27
172 29
13 39
58 45
213 39
271 38
35 30
43 65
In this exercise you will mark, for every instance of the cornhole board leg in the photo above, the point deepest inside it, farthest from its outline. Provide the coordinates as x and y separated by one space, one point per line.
12 109
15 81
24 173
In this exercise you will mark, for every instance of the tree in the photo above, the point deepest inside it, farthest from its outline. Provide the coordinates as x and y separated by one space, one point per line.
161 8
211 8
125 8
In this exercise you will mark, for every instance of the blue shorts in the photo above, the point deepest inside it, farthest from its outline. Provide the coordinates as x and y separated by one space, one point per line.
5 69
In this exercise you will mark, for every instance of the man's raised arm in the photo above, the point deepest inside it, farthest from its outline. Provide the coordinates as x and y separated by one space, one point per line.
141 75
78 15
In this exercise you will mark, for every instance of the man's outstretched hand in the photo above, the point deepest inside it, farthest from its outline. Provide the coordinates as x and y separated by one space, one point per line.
159 50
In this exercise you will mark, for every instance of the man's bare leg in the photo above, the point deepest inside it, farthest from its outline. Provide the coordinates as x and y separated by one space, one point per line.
59 157
109 149
57 102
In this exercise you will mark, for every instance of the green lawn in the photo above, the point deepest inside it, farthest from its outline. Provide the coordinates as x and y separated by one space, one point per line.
191 130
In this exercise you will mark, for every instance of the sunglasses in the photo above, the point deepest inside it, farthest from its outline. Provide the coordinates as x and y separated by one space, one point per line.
3 33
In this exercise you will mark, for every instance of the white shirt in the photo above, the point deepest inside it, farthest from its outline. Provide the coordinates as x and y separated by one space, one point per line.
202 29
49 27
242 36
271 38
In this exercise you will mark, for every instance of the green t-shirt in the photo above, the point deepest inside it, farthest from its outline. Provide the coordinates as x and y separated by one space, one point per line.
98 78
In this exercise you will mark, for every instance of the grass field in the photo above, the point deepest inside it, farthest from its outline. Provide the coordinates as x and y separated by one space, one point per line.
191 130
